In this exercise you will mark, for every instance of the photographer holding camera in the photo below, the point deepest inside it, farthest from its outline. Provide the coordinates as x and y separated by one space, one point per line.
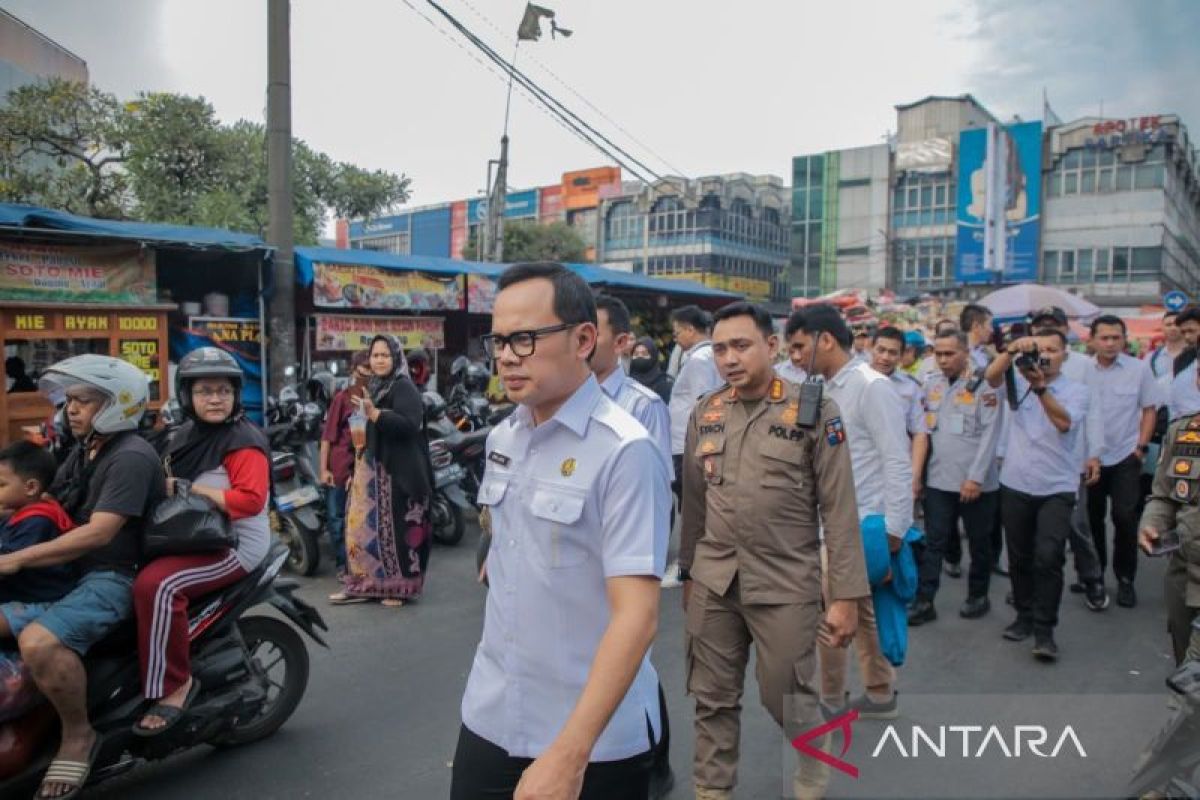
1039 479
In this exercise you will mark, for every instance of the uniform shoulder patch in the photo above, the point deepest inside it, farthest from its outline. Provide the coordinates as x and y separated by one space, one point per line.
835 432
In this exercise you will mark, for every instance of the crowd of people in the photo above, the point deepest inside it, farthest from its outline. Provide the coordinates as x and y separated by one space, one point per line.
822 479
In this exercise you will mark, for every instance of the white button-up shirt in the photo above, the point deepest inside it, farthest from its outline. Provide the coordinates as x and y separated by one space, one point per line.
911 397
697 376
645 406
790 372
1090 443
873 417
581 498
1038 459
1185 393
1122 391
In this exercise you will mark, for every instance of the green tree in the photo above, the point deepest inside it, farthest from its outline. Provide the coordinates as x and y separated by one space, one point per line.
64 144
166 158
532 241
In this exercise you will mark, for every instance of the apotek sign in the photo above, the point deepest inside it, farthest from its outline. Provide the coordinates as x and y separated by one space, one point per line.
1112 133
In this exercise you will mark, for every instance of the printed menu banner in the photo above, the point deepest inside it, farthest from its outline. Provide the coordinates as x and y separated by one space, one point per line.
347 286
354 333
481 293
90 274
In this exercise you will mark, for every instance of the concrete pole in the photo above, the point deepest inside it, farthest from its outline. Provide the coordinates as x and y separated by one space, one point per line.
282 314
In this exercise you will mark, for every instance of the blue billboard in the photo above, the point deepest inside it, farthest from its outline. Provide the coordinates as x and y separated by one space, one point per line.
1022 204
516 205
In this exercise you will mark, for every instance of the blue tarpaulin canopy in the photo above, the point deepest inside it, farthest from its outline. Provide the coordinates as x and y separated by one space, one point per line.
33 218
594 275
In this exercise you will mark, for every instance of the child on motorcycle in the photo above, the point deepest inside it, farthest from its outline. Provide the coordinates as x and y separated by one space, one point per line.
26 472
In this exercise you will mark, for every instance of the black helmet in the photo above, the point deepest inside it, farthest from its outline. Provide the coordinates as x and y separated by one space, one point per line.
478 378
207 362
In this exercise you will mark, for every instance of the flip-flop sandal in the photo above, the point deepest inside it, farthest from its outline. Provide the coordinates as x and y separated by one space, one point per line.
391 602
343 599
70 773
168 714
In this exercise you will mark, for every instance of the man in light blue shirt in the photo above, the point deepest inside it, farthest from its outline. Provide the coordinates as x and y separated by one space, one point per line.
1039 481
562 699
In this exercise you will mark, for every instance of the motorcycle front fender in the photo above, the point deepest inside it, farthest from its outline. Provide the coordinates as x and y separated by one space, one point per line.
306 517
456 495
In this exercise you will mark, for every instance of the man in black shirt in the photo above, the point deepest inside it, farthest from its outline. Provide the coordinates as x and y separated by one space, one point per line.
109 485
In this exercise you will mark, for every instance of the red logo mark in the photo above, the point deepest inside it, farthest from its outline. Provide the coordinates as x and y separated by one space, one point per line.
844 721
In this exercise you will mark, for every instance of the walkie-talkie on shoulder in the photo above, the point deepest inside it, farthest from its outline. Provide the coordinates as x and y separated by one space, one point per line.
811 392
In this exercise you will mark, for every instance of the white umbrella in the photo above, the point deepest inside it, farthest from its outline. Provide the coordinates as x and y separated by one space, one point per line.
1023 299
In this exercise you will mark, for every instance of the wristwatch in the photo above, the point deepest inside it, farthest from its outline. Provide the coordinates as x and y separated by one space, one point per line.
1142 449
1038 390
684 574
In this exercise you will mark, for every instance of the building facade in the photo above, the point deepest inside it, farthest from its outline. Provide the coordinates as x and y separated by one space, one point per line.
1107 208
728 232
27 56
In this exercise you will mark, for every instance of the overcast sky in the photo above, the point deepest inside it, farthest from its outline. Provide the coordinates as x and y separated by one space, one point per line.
711 87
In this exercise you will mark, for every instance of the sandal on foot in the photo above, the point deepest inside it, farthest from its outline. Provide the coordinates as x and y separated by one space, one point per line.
168 714
391 602
69 773
343 599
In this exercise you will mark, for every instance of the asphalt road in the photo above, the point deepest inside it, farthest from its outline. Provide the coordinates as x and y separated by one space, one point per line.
381 715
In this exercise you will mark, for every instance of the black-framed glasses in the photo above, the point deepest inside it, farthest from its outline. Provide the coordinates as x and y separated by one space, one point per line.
522 343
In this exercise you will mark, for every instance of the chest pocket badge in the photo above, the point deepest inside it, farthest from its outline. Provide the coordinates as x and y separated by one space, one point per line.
1185 490
709 452
1185 468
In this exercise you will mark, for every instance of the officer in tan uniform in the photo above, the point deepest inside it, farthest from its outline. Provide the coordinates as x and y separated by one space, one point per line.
1175 505
762 470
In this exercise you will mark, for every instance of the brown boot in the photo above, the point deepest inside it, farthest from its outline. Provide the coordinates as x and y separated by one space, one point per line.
705 793
812 776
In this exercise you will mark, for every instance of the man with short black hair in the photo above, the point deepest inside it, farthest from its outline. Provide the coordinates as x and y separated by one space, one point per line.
1184 393
1162 360
1039 481
697 373
1128 397
873 417
976 322
578 501
886 352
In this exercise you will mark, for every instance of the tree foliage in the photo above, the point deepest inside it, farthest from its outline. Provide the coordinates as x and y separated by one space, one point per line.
531 241
166 158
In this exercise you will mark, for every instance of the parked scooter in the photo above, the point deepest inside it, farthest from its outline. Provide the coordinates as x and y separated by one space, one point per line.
1170 764
252 670
457 460
296 513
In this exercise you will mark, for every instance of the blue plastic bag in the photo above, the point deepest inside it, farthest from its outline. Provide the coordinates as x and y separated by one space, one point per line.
893 579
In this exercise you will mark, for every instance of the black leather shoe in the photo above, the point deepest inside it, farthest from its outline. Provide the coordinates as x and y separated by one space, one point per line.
1097 596
1044 648
1126 596
1019 631
975 607
922 611
1077 587
1000 569
954 570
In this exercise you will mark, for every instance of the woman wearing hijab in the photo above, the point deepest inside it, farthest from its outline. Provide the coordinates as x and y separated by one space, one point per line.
225 458
387 520
646 369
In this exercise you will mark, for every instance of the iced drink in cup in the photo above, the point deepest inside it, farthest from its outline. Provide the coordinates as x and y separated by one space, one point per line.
358 430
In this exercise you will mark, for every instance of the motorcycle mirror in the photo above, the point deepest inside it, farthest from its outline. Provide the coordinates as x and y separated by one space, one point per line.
289 372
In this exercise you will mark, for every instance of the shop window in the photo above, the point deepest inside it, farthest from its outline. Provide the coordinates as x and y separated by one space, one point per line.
1146 261
1149 176
1124 178
1083 266
1050 266
1120 263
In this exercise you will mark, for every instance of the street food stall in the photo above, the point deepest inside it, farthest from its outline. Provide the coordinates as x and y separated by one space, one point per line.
73 285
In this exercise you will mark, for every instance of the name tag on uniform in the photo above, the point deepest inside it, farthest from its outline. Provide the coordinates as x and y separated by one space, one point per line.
955 424
499 458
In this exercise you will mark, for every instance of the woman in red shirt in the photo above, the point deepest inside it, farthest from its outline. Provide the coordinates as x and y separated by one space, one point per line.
227 460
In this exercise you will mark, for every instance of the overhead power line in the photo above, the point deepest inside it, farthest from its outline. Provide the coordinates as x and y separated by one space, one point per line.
487 20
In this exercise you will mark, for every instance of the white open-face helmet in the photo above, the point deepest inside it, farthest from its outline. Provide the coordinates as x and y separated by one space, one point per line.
122 383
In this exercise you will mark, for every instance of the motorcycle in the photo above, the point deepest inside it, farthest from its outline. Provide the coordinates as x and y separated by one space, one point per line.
252 670
1170 764
296 512
457 460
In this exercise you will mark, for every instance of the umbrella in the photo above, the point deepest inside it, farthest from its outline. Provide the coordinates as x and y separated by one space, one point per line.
1014 302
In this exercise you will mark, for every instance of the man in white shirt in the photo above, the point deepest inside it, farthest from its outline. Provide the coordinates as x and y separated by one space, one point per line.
614 333
976 321
1184 394
561 700
697 373
886 352
1039 481
1128 397
1162 360
873 417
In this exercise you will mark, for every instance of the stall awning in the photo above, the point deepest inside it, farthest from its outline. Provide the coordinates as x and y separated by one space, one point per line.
594 275
33 218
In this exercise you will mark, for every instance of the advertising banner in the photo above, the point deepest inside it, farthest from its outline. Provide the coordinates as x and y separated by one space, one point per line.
241 338
346 286
1022 204
481 294
92 274
339 333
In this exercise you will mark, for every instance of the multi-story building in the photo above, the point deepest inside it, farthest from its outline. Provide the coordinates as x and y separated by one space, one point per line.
1108 208
726 231
27 56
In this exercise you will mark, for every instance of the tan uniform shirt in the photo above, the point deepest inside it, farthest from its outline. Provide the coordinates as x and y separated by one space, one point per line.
756 489
1175 499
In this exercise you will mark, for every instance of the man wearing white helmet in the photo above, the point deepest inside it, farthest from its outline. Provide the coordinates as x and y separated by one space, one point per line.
109 484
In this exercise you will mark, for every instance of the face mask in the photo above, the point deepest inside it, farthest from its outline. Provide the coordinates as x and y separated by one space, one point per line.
642 364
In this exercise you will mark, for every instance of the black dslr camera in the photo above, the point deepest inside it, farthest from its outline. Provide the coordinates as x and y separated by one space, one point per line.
1028 362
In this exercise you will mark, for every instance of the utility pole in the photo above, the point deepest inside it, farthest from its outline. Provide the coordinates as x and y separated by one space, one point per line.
995 218
282 316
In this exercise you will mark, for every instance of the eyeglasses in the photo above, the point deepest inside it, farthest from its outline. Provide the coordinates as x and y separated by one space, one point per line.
221 392
522 343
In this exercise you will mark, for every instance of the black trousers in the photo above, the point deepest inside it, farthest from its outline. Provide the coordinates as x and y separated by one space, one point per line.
662 751
1122 484
1036 528
483 771
942 512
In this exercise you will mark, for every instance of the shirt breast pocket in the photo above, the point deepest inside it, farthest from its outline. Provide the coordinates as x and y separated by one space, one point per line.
781 460
558 539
